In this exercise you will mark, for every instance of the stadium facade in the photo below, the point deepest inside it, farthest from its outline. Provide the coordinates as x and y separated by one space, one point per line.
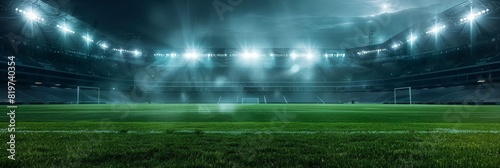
451 58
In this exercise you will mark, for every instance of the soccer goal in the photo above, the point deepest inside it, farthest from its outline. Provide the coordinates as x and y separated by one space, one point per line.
88 95
402 95
250 101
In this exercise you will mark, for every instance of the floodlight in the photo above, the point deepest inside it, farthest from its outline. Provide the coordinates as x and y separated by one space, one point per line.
65 29
88 39
471 17
31 15
104 46
412 38
252 55
474 15
436 29
136 53
247 55
310 56
192 55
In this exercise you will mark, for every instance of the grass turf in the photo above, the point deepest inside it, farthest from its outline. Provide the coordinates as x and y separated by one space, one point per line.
169 147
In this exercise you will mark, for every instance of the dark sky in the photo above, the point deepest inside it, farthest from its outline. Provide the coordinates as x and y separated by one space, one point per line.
254 23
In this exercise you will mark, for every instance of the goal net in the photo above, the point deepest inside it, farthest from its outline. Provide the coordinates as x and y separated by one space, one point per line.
250 101
88 95
402 95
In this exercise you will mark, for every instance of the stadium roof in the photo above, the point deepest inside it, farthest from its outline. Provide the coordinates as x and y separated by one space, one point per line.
255 23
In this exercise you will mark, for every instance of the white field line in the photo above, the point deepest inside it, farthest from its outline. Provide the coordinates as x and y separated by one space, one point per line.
436 131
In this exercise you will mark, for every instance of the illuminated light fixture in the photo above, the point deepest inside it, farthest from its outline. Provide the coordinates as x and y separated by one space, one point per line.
335 55
310 56
87 39
136 53
104 46
474 15
247 55
363 52
412 38
294 56
173 55
252 55
65 29
119 50
436 29
395 46
31 15
192 55
471 17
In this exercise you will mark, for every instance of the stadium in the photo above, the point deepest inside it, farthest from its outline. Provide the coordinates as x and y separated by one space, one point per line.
250 83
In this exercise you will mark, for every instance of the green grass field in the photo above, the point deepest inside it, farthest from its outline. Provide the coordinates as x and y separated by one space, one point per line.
254 136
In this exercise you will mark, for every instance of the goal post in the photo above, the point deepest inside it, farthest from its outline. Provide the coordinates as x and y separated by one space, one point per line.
81 89
250 101
402 89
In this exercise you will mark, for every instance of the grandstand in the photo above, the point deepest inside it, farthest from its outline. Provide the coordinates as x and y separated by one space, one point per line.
363 75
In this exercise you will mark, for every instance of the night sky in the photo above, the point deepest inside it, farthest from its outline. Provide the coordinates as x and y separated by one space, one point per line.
253 23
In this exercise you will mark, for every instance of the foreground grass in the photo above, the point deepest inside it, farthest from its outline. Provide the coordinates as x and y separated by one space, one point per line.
169 147
206 150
